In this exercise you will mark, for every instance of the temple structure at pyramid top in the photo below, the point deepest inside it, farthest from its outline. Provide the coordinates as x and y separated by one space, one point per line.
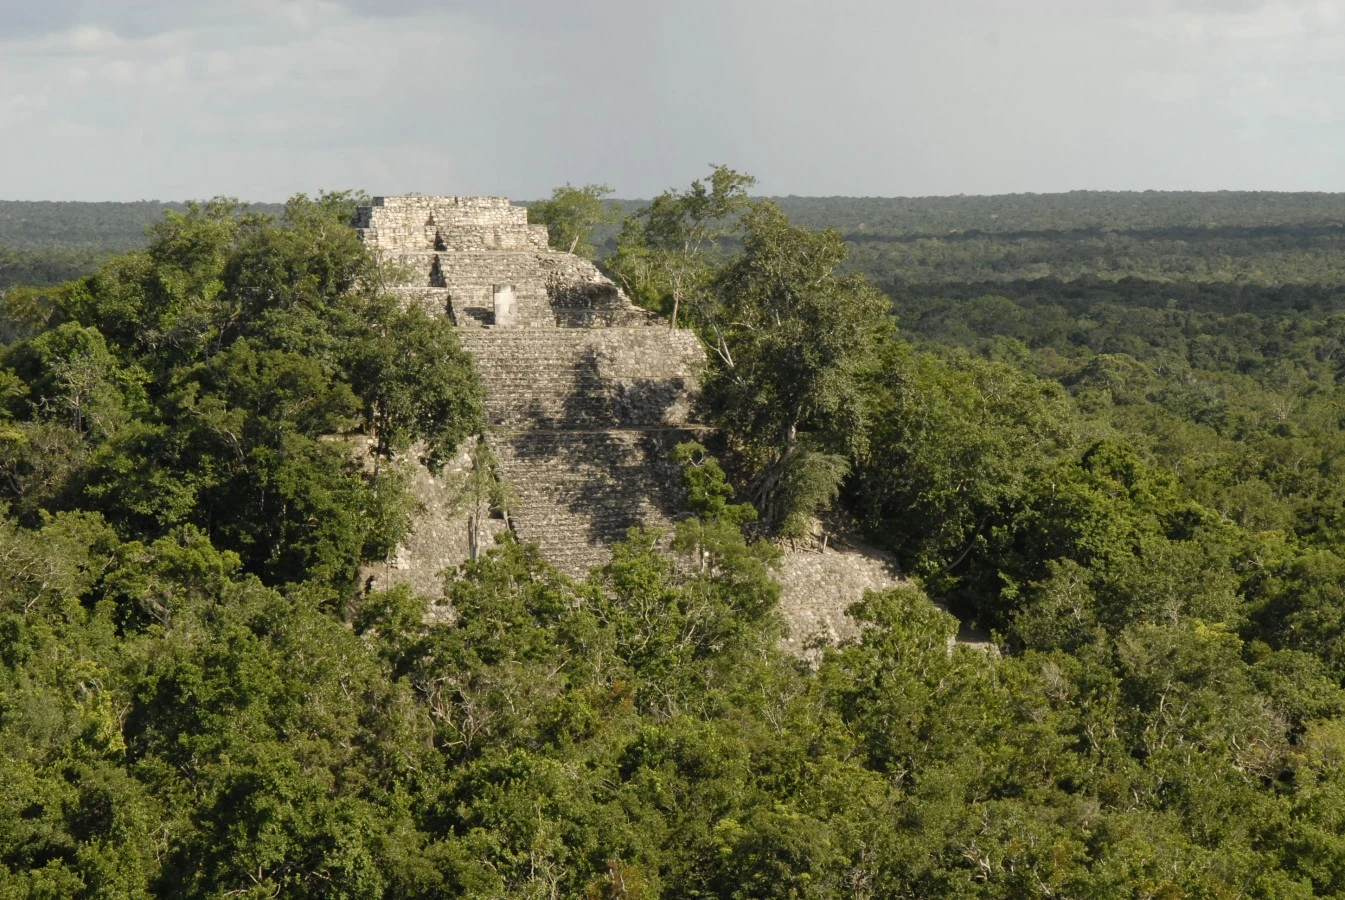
477 260
448 223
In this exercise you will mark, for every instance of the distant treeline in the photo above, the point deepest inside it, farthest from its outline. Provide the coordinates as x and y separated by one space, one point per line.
1247 237
1073 211
43 268
45 243
74 225
1257 236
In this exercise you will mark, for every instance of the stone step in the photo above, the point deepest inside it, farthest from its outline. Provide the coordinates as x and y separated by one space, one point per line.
619 377
579 491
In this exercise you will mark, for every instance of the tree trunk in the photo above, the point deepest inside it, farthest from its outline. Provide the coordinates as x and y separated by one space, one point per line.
765 490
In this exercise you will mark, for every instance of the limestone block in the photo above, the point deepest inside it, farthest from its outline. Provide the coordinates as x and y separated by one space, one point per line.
505 304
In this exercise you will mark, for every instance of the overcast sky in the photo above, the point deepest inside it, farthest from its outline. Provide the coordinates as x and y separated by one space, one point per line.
170 99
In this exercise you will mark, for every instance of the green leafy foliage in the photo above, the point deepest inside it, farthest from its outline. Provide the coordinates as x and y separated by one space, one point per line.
667 252
794 338
209 381
802 340
1134 485
572 214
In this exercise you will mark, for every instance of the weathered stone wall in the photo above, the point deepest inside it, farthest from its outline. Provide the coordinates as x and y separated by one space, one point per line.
468 278
440 539
553 289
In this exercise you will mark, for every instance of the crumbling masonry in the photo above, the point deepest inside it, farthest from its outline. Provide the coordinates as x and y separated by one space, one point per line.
585 393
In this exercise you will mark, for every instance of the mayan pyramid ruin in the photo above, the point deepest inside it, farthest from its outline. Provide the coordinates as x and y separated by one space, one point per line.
586 394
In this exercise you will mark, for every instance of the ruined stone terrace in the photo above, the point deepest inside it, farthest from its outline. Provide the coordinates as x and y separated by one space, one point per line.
414 224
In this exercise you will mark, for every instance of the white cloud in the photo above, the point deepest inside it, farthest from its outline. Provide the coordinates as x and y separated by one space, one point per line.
260 98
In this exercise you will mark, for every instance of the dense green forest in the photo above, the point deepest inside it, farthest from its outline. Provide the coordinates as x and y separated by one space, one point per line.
47 243
1108 427
1271 237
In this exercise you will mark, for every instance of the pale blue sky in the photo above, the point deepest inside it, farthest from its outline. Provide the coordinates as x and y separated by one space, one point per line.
168 99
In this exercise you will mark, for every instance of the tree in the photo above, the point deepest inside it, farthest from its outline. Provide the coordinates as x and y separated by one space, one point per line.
483 491
665 250
416 382
571 215
73 378
956 442
801 343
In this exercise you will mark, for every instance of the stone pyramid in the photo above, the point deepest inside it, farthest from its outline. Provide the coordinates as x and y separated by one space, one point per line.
586 394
